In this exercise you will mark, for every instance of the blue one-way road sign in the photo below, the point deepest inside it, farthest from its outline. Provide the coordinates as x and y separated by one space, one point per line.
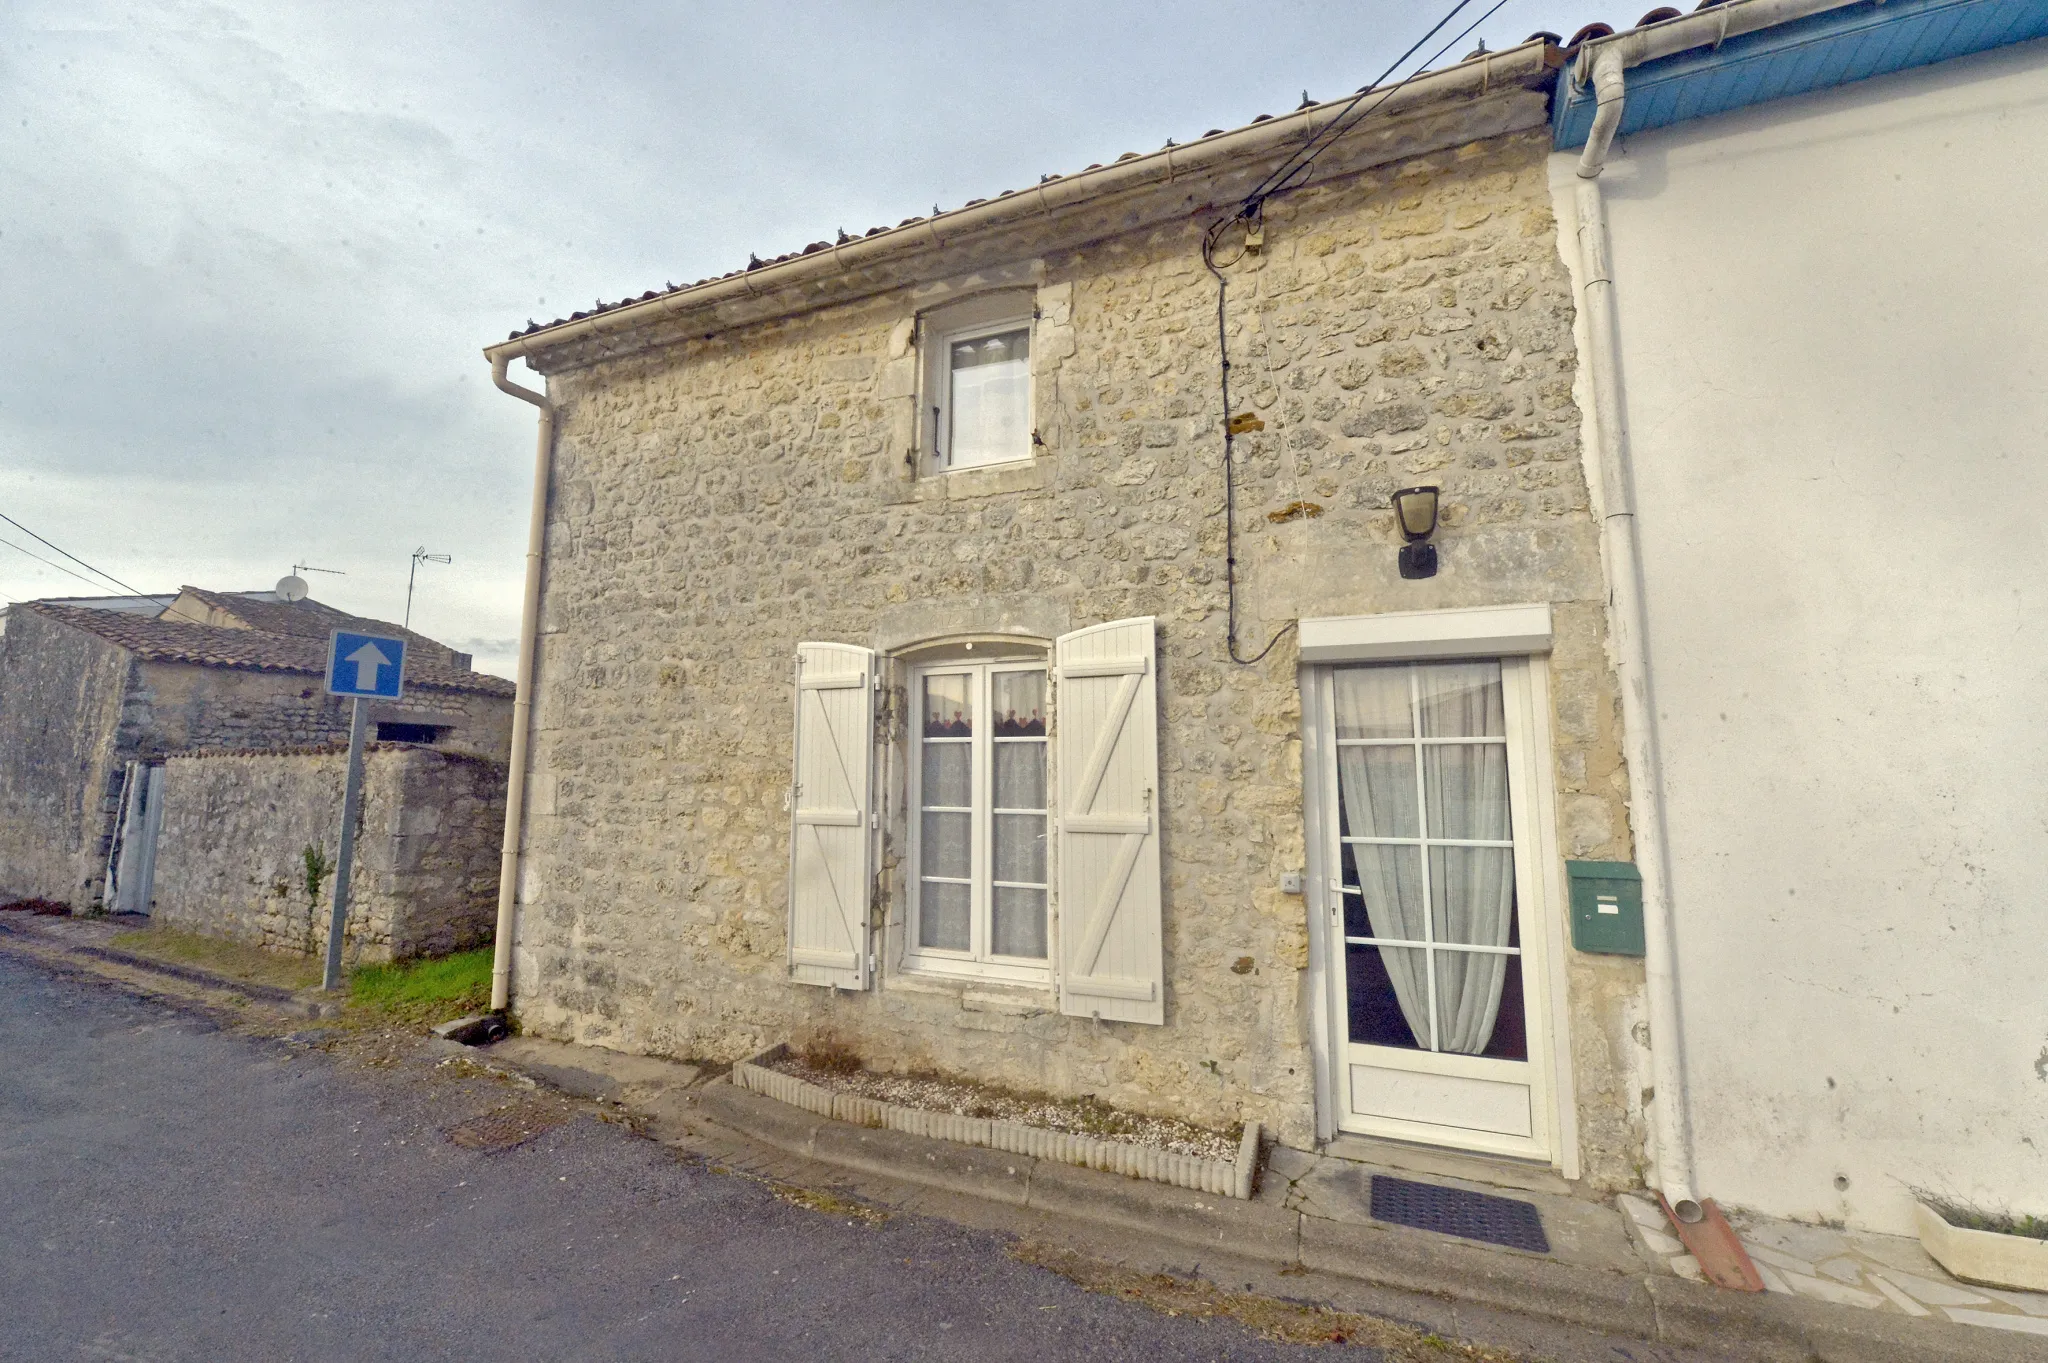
365 665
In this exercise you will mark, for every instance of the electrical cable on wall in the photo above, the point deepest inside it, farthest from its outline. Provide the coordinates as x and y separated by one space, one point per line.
1290 174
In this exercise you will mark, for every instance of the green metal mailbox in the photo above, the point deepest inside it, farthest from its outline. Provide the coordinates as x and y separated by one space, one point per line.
1607 907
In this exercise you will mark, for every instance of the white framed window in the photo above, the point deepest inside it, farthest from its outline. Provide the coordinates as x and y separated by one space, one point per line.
977 383
979 779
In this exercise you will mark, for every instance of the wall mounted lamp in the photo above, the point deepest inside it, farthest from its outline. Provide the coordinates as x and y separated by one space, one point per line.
1415 509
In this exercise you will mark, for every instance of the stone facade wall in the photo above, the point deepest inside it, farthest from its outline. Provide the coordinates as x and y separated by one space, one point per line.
180 707
60 706
231 858
722 499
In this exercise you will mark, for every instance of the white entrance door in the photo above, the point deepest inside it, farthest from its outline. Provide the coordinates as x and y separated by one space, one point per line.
1431 892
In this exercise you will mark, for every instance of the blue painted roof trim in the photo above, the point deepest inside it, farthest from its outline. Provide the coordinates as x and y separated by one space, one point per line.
1815 53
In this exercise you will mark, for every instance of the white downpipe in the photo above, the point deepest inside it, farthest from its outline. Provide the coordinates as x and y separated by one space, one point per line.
1605 64
1670 1105
522 702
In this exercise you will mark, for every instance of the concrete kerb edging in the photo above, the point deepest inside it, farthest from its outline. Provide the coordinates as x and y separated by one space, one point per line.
1648 1306
1223 1178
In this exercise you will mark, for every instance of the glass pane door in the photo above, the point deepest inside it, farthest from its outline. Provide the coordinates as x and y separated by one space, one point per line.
1421 839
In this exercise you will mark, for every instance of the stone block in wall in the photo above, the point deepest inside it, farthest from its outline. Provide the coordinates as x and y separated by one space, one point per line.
233 860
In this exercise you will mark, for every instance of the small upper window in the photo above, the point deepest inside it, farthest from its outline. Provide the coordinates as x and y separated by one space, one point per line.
978 384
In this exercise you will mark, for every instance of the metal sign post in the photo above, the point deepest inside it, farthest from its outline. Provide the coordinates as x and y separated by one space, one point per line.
366 667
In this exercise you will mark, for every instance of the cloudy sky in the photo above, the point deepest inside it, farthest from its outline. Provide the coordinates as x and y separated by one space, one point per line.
249 253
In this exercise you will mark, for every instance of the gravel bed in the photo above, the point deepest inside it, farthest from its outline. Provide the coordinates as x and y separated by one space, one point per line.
1078 1117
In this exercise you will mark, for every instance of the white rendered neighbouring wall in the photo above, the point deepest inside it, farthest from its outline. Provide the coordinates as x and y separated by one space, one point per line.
1833 316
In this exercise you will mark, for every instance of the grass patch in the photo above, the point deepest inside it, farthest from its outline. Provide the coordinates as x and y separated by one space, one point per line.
236 959
424 991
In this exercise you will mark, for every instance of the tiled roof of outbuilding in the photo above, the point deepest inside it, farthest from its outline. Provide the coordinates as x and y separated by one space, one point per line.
180 641
309 619
755 262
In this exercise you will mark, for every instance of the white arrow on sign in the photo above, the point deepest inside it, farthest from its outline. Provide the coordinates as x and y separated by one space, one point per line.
367 659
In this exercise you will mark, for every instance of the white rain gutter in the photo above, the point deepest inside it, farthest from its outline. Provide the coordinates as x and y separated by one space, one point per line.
1604 64
522 701
1468 80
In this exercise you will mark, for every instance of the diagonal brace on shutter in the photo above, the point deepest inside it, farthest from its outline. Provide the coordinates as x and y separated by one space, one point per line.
1101 915
1098 761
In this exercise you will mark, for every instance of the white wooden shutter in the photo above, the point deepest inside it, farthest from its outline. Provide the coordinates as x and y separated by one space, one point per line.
1107 766
829 868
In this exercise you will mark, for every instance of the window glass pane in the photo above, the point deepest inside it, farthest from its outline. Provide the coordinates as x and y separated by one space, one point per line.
1372 702
1376 787
1466 787
946 845
1476 1012
943 916
948 710
1019 926
1020 776
948 768
991 382
1386 995
1017 705
1389 899
1472 895
1020 848
1461 700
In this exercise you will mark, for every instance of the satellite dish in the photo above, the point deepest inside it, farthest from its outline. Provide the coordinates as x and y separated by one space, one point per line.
291 588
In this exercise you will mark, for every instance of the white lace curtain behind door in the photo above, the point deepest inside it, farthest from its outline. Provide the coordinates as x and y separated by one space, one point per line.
1464 796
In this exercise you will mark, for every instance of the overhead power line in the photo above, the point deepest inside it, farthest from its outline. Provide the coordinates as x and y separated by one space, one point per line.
126 587
68 554
51 563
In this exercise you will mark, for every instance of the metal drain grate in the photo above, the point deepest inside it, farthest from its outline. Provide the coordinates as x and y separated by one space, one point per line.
508 1126
1453 1211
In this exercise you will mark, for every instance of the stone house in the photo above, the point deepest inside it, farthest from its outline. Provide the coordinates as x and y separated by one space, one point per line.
911 668
93 699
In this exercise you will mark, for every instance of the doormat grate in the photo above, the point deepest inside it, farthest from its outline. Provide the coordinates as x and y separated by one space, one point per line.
1453 1211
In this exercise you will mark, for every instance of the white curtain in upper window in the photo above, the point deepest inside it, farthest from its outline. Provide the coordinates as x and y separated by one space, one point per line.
991 383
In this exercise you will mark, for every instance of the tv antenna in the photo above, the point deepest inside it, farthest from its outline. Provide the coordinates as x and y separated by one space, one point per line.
293 589
419 556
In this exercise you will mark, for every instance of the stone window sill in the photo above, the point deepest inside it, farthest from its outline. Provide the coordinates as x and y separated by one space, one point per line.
1022 476
976 995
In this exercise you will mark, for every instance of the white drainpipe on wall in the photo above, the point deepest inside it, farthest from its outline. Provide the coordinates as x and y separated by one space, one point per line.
522 703
1605 64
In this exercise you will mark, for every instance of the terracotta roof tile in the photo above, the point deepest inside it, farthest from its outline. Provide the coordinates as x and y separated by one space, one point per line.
180 641
755 262
310 619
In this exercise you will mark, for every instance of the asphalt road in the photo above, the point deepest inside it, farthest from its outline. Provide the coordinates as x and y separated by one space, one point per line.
173 1191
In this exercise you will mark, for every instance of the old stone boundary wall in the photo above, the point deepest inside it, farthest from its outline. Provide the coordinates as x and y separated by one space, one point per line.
61 694
726 497
231 860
